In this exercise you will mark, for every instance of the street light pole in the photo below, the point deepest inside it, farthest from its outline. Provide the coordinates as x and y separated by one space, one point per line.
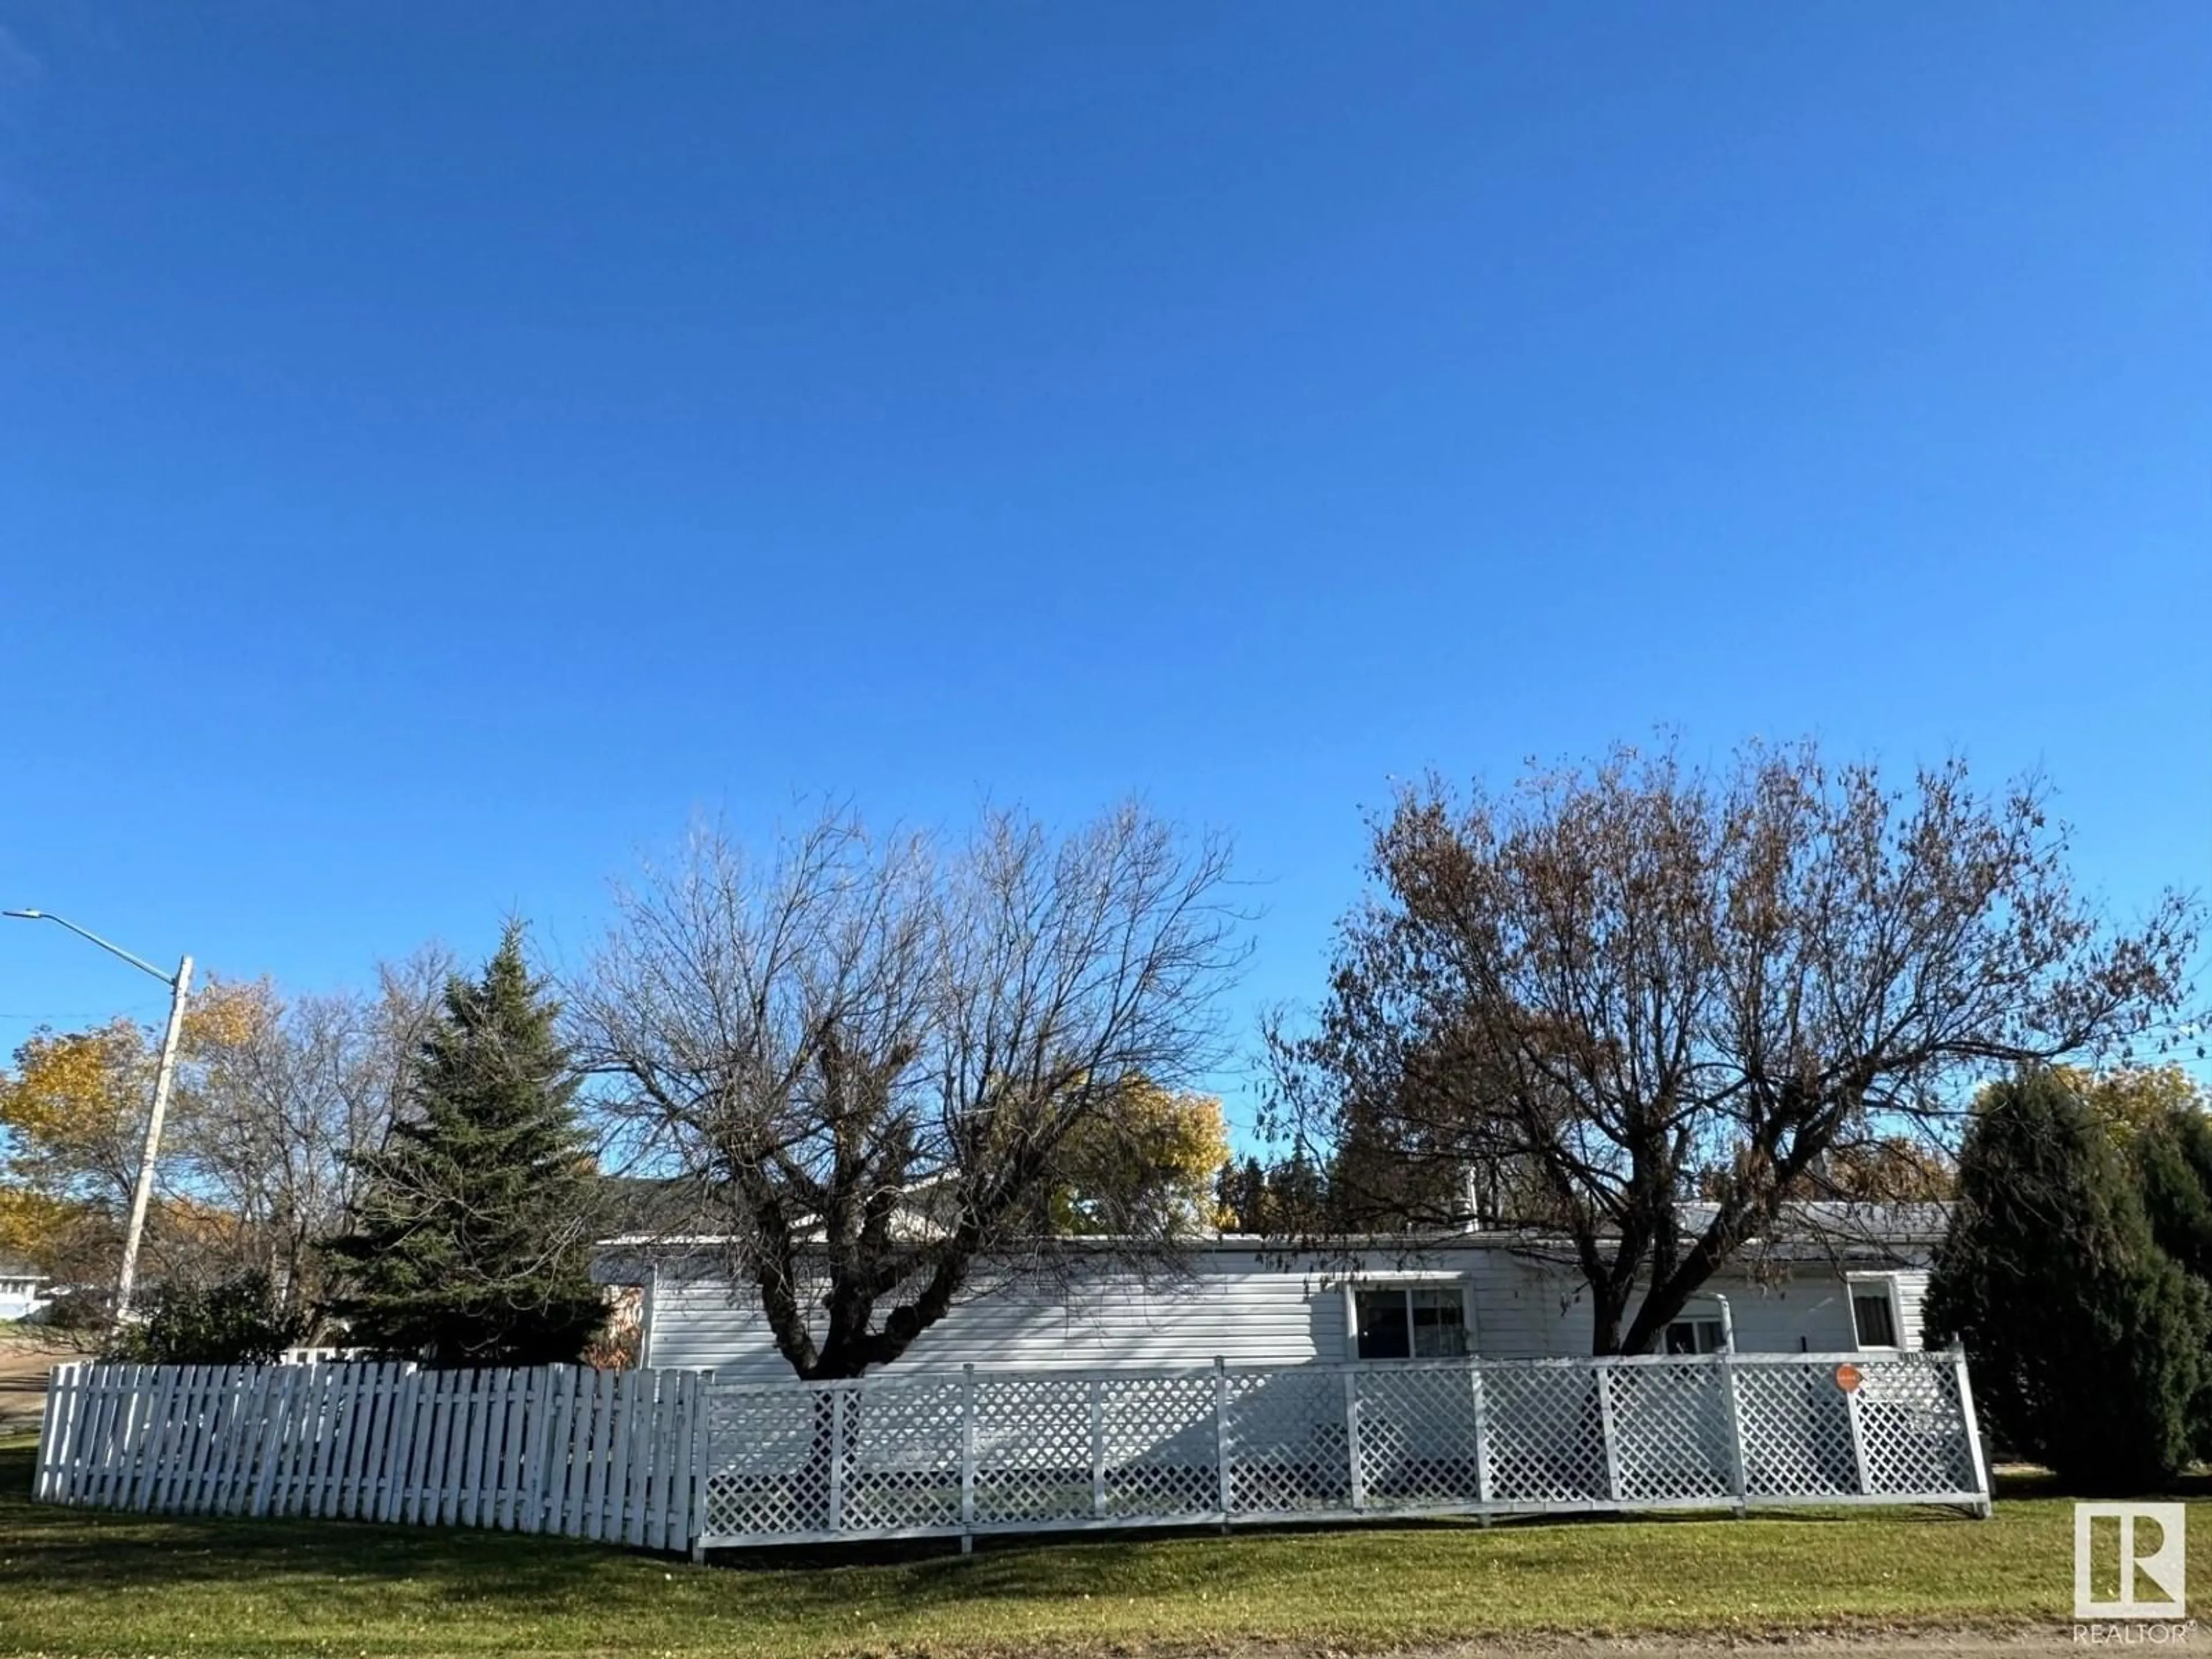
164 1075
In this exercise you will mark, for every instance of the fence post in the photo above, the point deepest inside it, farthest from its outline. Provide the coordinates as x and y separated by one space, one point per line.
1356 1477
660 1402
968 1458
1973 1428
1225 1491
1738 1474
1858 1440
636 1450
1097 1448
1481 1438
49 1417
1604 1368
47 1474
837 1458
698 1442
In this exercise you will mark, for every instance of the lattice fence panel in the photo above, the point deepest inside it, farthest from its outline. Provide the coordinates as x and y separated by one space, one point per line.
1547 1435
1671 1432
902 1468
1033 1458
1797 1427
1913 1427
941 1453
768 1461
1420 1442
1287 1452
1157 1454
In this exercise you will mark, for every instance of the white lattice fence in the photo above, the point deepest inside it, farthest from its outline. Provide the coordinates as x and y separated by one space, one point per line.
981 1451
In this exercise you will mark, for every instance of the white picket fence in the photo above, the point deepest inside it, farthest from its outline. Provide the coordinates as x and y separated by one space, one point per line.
606 1455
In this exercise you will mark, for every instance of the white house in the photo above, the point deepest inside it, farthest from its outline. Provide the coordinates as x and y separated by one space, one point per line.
1847 1279
24 1291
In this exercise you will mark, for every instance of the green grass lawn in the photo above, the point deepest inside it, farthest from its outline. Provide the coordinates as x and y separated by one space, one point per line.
83 1581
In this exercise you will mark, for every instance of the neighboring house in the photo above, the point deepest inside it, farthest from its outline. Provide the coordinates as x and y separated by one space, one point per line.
1844 1280
24 1291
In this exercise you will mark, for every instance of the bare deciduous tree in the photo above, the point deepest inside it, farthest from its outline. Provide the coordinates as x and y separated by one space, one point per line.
273 1097
877 1058
284 1100
1607 987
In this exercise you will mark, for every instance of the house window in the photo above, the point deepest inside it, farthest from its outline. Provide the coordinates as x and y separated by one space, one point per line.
1696 1336
1874 1314
1411 1321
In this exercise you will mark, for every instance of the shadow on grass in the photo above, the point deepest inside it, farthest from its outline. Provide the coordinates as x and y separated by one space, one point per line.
59 1551
2026 1482
1104 1545
58 1548
93 1551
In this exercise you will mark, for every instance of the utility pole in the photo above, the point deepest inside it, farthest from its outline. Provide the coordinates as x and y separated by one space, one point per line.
164 1075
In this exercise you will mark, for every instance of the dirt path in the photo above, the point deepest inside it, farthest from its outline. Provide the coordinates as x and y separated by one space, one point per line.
1918 1644
25 1362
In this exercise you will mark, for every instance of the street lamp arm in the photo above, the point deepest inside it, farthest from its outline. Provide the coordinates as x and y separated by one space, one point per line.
108 945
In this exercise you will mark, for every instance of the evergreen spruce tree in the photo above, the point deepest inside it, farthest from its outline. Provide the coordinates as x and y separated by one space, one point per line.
2173 1161
2173 1153
473 1234
2086 1341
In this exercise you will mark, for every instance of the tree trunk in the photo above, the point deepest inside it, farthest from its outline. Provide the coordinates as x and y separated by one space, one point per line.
1608 1303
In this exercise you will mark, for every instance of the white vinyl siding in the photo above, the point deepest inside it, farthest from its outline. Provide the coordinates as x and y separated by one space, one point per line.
1911 1292
1229 1306
1249 1308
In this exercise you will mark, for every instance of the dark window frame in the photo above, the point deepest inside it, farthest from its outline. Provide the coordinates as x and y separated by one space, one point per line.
1402 1337
1872 1293
1695 1333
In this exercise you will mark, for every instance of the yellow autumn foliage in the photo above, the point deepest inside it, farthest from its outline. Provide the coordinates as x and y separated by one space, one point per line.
2127 1101
228 1015
1156 1149
74 1104
30 1222
72 1100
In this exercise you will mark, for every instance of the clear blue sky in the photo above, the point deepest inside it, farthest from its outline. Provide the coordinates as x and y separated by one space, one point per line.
442 447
